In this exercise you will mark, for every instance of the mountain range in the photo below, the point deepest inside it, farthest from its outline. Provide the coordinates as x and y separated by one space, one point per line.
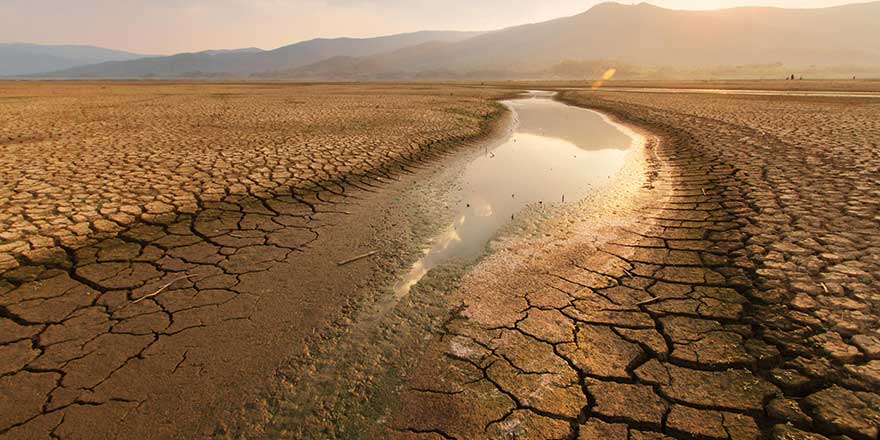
240 63
25 59
636 35
626 36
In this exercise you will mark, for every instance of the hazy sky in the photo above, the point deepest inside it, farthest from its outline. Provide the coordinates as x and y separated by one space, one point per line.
170 26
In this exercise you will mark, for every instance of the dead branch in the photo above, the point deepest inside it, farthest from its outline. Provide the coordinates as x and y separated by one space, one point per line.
161 289
359 257
650 301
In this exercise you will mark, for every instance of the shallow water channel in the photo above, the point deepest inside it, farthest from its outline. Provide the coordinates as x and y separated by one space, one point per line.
555 154
351 379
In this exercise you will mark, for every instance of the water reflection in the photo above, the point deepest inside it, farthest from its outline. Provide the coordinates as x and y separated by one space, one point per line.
555 154
584 129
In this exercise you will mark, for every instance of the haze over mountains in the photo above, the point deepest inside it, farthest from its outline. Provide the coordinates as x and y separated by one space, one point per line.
24 59
645 35
609 34
248 62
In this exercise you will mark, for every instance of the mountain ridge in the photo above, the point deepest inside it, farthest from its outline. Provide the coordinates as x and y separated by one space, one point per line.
247 63
632 35
29 58
643 34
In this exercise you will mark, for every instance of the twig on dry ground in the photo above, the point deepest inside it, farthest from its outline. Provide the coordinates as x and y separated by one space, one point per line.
359 257
161 289
650 301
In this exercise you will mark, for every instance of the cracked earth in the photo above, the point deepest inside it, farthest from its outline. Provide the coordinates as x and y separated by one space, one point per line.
738 300
165 246
161 260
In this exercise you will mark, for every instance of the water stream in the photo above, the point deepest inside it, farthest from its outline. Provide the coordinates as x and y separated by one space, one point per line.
555 154
553 150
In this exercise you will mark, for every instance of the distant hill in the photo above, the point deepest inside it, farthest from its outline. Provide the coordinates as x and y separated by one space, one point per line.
636 35
24 59
230 51
247 62
642 40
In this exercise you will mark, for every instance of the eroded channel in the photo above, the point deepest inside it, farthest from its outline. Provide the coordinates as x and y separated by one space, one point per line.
555 154
552 158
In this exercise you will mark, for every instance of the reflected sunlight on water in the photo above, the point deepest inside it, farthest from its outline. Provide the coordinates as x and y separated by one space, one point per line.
556 152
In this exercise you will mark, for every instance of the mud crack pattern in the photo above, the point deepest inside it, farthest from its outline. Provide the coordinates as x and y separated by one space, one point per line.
742 303
85 161
142 224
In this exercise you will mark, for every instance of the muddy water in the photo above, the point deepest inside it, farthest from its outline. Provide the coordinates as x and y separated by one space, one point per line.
555 154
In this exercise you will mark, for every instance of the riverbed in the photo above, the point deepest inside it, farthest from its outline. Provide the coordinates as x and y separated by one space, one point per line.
555 154
552 163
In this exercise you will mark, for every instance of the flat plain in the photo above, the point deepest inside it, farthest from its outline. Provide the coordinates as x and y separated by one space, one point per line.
168 248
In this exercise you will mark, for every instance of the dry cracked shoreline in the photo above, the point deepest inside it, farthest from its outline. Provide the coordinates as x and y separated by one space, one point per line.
740 303
733 297
168 322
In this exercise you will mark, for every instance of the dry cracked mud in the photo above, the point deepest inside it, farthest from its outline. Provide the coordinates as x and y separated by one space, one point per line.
730 291
738 299
165 247
88 160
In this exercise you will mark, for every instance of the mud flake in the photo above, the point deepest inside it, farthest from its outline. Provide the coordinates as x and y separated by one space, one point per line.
548 325
731 389
23 395
524 425
598 351
15 356
596 429
788 432
627 402
848 412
